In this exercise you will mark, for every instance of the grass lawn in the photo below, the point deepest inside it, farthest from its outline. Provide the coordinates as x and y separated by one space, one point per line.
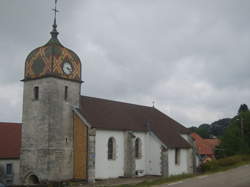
209 168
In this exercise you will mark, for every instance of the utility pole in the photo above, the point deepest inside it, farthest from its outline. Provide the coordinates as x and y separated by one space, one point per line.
242 126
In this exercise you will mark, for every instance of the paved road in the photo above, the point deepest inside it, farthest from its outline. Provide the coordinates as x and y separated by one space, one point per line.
239 177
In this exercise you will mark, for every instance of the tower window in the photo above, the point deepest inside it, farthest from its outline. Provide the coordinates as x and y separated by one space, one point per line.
66 93
36 93
9 169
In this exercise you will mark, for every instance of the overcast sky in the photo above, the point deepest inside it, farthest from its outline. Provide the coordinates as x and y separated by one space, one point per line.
191 57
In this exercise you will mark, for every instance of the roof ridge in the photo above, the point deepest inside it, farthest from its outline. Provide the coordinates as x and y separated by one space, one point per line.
16 123
115 101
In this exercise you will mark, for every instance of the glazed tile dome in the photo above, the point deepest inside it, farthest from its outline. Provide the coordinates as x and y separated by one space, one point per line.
53 60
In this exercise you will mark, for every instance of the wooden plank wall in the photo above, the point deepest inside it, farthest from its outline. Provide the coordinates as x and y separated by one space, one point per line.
80 148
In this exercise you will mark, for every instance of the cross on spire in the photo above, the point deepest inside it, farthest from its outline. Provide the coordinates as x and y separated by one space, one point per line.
54 32
56 11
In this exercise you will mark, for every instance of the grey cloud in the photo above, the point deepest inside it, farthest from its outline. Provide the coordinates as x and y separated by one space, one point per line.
191 57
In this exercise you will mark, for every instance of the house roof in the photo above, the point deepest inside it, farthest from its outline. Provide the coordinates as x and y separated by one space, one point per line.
205 146
212 142
10 140
114 115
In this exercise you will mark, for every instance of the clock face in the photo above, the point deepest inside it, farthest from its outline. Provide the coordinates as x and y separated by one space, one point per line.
67 68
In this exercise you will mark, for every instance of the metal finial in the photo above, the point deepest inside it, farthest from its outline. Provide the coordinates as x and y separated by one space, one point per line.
54 32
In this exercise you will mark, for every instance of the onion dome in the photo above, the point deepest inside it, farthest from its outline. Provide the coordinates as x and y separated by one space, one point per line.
53 60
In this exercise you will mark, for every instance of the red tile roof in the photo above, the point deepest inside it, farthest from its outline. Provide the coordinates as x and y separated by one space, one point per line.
114 115
205 146
10 140
212 142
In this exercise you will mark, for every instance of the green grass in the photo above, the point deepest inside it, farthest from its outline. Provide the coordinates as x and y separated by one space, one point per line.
159 181
225 163
208 168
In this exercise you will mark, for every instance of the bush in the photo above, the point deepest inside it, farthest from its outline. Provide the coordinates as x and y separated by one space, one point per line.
215 165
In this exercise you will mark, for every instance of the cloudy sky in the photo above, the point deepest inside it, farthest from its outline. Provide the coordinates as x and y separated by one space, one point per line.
191 57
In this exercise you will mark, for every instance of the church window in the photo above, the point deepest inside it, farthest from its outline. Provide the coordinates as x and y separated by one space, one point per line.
138 148
111 148
66 93
36 93
177 156
9 169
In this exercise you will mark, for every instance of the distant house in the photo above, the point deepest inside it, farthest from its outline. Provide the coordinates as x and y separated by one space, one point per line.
10 144
205 147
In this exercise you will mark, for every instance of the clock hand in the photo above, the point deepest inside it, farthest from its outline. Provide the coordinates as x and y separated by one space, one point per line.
69 68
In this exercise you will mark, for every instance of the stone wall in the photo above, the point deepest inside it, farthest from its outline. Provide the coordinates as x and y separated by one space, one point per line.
164 162
47 131
129 154
91 155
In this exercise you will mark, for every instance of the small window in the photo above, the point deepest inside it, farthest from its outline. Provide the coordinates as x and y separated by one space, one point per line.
36 93
177 156
111 149
9 169
138 148
66 93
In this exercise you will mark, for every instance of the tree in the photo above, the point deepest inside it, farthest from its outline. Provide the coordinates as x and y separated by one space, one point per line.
243 108
203 132
236 139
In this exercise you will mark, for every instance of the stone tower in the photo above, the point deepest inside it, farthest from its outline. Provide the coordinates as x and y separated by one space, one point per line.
52 84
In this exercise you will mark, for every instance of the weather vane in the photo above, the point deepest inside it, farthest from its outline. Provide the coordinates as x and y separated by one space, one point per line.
153 104
56 11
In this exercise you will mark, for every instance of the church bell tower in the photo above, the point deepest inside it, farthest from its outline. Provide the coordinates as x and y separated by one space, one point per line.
52 84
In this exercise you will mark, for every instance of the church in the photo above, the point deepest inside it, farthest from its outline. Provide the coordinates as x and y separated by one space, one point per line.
66 136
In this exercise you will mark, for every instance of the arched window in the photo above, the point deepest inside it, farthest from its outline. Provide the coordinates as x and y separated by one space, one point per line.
138 148
111 148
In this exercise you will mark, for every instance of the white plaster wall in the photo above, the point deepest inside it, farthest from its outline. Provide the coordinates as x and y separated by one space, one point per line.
109 168
153 155
150 162
190 160
197 160
182 167
15 168
141 163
